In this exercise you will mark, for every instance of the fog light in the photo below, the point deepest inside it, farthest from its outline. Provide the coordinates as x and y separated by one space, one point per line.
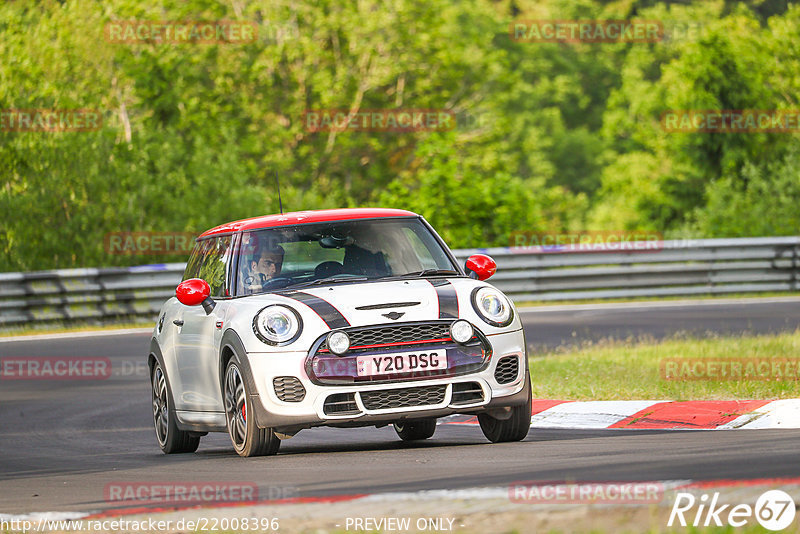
338 342
461 331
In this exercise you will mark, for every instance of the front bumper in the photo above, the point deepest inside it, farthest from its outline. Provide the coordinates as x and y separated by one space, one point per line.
380 403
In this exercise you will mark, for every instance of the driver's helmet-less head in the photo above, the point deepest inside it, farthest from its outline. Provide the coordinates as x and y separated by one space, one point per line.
266 263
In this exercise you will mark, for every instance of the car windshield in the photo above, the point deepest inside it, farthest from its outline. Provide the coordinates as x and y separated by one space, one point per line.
328 253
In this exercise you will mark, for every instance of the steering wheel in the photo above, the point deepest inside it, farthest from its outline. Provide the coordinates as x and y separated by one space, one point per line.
264 283
277 282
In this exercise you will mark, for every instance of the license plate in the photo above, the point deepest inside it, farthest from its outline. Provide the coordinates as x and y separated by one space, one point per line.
406 362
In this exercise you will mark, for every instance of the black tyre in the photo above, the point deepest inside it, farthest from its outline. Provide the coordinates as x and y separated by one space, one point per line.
515 428
171 439
247 438
415 430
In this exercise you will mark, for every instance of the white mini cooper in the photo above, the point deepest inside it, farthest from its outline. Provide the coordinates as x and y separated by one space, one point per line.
346 318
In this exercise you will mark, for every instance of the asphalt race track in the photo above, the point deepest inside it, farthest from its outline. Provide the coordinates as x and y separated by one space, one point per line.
63 442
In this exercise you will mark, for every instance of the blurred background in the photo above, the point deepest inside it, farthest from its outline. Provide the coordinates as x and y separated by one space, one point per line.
549 137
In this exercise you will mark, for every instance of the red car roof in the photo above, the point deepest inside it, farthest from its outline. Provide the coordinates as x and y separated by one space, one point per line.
305 217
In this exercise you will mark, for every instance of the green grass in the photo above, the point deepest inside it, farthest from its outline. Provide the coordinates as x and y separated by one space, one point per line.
631 370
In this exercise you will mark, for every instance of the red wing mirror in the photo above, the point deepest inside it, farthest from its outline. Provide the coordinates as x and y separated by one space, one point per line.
195 291
480 266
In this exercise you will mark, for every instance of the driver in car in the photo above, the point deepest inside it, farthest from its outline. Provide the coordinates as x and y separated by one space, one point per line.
265 265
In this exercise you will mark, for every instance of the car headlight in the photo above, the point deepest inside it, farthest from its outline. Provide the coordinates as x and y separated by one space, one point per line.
277 325
492 306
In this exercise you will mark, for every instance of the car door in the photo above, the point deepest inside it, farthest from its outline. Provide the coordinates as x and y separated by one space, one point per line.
198 337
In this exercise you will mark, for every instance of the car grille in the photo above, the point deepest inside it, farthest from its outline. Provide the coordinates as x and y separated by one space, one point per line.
390 335
507 370
288 388
466 393
403 398
340 404
326 368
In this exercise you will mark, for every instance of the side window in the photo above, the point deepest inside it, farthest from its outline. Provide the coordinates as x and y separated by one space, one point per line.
193 265
214 264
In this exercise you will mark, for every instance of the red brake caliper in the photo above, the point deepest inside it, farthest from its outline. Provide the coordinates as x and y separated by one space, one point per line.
244 412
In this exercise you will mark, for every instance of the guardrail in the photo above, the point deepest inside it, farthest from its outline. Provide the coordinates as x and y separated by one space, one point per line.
680 267
92 295
686 267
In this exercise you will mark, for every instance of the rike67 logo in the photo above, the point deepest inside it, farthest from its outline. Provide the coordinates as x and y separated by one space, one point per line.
774 510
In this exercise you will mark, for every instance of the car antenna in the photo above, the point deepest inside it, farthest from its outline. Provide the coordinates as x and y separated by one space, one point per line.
278 183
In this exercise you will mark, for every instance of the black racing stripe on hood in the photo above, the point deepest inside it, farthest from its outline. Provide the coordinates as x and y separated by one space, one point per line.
327 311
448 299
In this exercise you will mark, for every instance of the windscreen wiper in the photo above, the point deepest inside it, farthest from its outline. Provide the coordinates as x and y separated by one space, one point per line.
431 272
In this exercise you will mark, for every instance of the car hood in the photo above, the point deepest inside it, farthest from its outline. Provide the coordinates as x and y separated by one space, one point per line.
377 302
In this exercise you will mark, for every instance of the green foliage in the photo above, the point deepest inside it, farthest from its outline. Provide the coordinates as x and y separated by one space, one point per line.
550 136
738 205
661 180
469 205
